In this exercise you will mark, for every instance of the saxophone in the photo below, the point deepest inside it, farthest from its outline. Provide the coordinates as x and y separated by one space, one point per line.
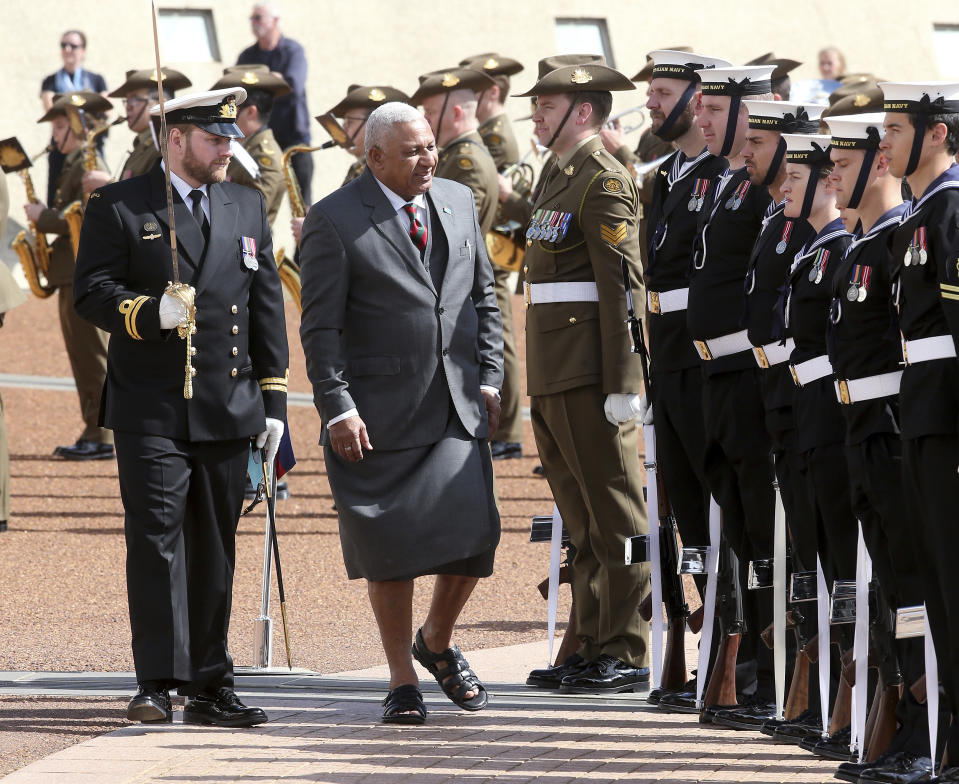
289 270
32 248
73 214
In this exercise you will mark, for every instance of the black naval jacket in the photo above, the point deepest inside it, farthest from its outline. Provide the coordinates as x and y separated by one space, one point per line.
863 329
241 356
779 240
672 223
928 300
728 225
805 311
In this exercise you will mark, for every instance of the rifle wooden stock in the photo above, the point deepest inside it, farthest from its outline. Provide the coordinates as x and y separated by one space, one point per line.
721 689
842 707
798 699
918 690
695 620
881 724
543 587
674 673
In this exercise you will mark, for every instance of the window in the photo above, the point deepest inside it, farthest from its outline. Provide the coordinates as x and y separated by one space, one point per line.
187 35
584 36
945 39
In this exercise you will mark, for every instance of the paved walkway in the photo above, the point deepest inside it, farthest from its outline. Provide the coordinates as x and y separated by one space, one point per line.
325 728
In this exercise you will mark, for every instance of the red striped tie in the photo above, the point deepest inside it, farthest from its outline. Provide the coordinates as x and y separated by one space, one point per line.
417 229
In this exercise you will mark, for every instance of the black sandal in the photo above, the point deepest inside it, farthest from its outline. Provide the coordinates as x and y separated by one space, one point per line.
456 679
401 700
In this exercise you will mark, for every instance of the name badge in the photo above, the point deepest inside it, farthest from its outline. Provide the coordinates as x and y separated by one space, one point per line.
248 246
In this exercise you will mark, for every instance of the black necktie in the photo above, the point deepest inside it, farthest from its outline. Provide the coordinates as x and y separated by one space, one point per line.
198 215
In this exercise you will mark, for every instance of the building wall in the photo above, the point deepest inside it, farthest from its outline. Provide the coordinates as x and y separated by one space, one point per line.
368 41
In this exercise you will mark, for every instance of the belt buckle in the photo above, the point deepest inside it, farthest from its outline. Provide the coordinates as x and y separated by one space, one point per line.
795 375
703 350
654 306
527 297
761 357
844 392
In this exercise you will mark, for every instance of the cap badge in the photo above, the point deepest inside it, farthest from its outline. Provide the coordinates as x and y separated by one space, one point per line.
250 78
568 171
154 77
612 185
376 94
77 100
860 100
228 107
581 76
150 226
449 80
490 64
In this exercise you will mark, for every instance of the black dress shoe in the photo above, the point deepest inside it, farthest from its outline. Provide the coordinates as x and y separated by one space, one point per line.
605 675
897 767
222 709
654 695
551 677
3 526
505 450
680 700
85 450
793 730
750 716
151 705
946 776
835 747
539 471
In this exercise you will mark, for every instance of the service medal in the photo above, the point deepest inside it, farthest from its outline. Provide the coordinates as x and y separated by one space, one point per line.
814 276
907 258
862 294
923 256
853 293
730 202
781 246
691 205
700 202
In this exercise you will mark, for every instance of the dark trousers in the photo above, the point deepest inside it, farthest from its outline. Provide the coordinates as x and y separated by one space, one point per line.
182 502
931 487
302 164
739 474
680 450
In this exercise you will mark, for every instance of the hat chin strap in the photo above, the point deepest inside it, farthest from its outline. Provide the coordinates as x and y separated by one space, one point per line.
919 133
439 123
863 177
677 111
569 111
732 121
811 184
775 164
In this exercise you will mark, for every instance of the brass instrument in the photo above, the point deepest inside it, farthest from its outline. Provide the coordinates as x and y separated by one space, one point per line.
289 270
73 214
504 242
627 129
30 244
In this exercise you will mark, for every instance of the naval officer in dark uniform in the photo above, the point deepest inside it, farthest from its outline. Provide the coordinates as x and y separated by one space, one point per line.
182 462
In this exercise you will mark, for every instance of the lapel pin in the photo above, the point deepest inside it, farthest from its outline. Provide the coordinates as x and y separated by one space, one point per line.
447 210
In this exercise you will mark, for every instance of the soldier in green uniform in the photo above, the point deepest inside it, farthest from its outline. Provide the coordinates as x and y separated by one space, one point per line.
354 110
86 345
448 99
581 375
497 133
257 159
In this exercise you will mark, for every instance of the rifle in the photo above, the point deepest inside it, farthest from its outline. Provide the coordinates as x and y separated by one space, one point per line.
721 688
882 716
677 610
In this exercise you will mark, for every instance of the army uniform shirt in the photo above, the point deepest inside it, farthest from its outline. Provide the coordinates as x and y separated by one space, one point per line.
142 157
673 216
497 134
517 208
356 169
466 161
271 183
863 328
805 310
729 223
927 295
583 224
51 221
779 240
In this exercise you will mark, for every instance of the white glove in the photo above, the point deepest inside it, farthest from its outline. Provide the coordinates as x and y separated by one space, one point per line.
270 438
645 410
621 407
172 312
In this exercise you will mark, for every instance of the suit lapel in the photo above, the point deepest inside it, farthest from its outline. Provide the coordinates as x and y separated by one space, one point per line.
188 235
387 222
223 218
446 219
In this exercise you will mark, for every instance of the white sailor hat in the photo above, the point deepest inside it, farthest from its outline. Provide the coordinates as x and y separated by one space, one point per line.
920 97
856 131
811 149
784 116
214 111
673 64
742 80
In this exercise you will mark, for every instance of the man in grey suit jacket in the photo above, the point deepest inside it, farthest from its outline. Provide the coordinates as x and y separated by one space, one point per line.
404 349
